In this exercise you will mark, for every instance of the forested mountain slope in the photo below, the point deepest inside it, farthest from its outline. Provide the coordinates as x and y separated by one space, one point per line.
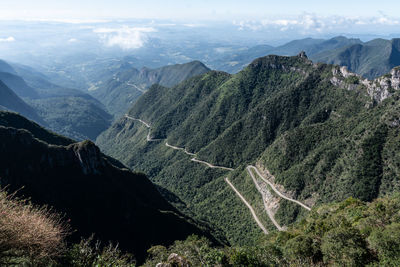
122 90
67 111
323 132
9 100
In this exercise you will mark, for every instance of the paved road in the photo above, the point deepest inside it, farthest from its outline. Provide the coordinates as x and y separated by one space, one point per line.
250 167
197 160
134 119
249 206
211 166
137 87
249 170
180 148
148 138
264 197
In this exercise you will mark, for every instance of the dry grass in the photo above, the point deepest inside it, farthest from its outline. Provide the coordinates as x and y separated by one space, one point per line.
30 233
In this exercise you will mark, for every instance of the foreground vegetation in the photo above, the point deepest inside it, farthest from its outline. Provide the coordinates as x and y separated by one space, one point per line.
348 233
36 236
97 193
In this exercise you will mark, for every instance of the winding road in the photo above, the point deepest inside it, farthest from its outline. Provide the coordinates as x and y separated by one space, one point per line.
197 160
264 198
248 205
134 119
180 148
135 86
148 138
249 169
211 166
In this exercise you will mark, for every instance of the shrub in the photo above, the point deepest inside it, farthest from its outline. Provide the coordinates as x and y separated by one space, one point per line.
344 246
386 244
29 234
91 253
301 247
352 79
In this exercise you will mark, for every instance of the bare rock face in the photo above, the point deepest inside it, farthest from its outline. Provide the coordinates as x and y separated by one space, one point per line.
89 156
378 89
383 87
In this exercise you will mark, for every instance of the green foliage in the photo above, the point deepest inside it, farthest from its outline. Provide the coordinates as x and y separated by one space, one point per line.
74 116
347 155
301 247
118 93
352 79
319 141
197 251
344 246
370 168
89 253
10 101
386 244
348 233
10 119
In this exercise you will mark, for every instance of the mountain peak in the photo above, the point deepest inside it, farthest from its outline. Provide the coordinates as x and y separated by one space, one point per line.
287 63
302 54
89 156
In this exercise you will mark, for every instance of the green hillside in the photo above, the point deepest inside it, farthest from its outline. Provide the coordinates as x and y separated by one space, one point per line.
10 119
67 111
10 101
348 233
314 126
121 91
18 85
77 117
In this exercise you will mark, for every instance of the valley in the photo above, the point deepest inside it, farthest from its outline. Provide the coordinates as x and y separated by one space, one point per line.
249 170
189 117
156 143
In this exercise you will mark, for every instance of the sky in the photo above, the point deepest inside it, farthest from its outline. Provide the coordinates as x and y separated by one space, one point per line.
130 24
190 9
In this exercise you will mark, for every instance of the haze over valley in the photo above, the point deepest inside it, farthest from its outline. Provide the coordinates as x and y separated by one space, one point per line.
199 134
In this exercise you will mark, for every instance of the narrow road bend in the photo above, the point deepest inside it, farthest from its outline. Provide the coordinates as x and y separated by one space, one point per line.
248 205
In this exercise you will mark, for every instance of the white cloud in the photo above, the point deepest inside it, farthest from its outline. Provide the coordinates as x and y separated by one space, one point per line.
191 25
308 22
124 37
7 40
72 40
68 21
385 20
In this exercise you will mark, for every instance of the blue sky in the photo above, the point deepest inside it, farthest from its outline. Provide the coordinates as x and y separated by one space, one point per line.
188 9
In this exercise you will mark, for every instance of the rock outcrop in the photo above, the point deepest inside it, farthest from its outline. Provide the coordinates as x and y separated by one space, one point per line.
378 89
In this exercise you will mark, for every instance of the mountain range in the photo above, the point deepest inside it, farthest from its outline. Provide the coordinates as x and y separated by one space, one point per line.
370 59
67 111
10 101
121 91
282 159
320 132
